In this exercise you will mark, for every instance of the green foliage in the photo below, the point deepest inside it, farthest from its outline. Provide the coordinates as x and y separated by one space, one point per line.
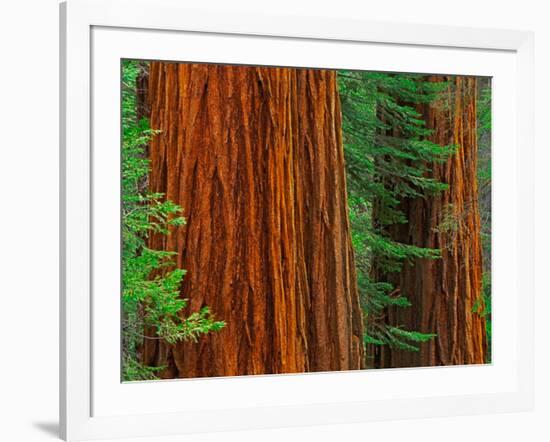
150 280
487 311
484 109
387 159
133 370
484 137
404 339
484 187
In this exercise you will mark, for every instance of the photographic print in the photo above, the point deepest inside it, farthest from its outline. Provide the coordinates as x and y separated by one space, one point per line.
281 220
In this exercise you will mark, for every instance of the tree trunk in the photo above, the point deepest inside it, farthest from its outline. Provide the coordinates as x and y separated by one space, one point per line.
446 293
255 158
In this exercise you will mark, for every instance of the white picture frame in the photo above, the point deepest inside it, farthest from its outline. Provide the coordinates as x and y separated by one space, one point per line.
93 402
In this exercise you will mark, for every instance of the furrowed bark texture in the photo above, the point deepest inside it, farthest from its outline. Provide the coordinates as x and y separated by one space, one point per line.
446 293
255 158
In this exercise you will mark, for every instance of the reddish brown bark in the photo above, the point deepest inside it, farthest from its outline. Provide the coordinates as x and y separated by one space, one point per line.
445 293
255 158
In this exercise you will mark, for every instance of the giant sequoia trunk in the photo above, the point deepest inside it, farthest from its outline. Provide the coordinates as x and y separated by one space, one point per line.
255 158
446 293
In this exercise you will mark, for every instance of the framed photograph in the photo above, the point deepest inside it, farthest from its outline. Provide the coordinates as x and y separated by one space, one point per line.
283 221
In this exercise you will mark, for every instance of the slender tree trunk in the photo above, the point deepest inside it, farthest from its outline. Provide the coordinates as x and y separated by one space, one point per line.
446 293
255 158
